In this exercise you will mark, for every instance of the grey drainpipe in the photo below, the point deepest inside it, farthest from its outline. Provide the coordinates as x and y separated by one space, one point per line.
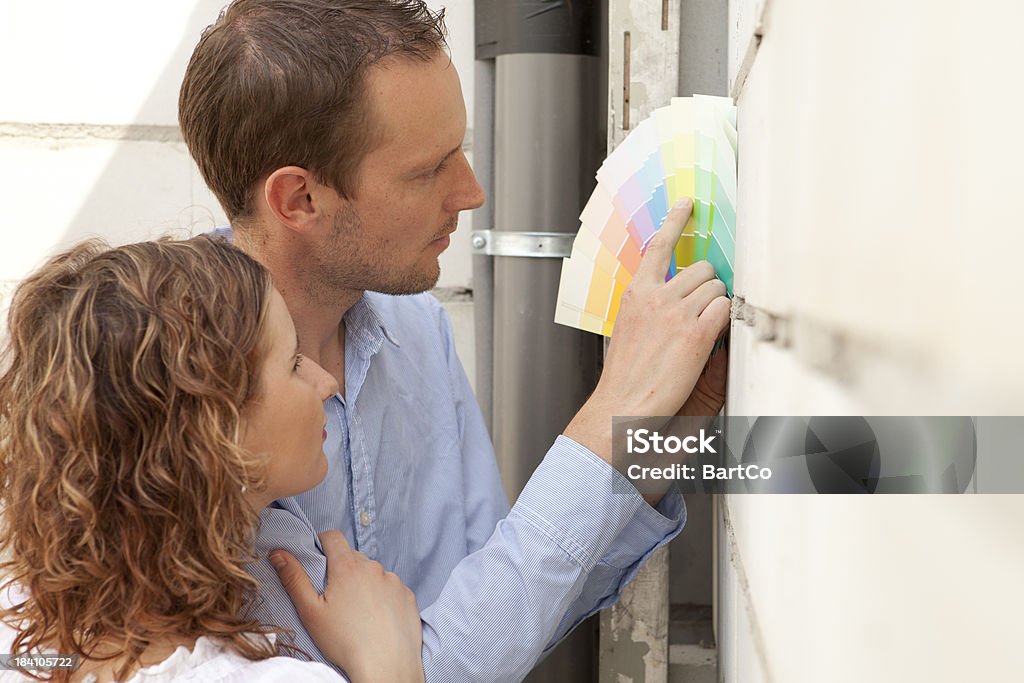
547 144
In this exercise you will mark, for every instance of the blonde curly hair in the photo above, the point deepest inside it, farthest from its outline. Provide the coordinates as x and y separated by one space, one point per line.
121 473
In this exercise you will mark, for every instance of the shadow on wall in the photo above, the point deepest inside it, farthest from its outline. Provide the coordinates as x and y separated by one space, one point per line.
121 177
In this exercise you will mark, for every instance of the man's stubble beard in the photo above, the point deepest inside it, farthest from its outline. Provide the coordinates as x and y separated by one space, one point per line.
350 261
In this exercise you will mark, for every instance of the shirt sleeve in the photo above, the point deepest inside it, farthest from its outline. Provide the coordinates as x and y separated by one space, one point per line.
647 531
504 603
595 584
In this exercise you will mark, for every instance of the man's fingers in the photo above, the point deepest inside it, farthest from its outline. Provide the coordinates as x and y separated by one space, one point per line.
715 316
688 279
717 370
718 363
702 297
293 578
658 255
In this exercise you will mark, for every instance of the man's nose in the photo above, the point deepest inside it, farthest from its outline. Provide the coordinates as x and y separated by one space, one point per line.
468 193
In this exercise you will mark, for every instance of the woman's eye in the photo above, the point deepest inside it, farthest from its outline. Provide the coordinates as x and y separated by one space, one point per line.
298 362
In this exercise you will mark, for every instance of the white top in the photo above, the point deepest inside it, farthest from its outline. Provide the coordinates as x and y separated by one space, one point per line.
207 662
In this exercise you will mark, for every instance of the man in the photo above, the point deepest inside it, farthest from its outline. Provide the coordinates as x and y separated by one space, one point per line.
331 132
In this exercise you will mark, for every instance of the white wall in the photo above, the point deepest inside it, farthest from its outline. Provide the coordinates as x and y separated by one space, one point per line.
89 139
877 267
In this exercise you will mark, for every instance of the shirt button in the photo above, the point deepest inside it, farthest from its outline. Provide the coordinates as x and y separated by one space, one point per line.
364 518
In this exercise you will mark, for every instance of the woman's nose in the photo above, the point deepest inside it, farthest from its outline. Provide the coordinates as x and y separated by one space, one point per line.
324 382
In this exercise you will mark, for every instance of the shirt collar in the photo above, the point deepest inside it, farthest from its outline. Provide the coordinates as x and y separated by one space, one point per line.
364 321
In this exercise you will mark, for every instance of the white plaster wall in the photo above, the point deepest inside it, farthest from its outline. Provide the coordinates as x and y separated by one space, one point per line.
89 139
879 240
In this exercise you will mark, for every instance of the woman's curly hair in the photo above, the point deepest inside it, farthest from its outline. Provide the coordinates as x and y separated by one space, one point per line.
121 474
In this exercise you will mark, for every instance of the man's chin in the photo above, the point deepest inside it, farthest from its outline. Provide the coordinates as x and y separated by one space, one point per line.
414 282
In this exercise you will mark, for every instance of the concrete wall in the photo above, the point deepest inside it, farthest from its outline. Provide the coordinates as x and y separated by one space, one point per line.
89 138
876 274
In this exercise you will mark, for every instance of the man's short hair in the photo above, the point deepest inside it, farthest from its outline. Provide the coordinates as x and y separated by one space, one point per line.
276 83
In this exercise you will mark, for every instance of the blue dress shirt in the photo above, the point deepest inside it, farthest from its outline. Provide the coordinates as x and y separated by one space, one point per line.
412 482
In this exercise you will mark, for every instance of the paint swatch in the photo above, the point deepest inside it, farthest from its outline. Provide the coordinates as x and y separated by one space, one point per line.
687 149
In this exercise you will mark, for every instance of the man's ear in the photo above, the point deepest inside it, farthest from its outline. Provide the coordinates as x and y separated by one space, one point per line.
292 197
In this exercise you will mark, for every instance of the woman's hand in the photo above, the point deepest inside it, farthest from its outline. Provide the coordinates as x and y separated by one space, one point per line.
366 621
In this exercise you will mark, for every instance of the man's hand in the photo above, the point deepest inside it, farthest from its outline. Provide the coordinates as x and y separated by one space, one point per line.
366 621
708 395
663 336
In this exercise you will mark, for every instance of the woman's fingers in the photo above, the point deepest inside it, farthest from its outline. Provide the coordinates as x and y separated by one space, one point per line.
366 621
294 579
334 543
296 583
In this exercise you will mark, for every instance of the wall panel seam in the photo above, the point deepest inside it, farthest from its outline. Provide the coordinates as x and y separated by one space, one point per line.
832 350
744 586
89 131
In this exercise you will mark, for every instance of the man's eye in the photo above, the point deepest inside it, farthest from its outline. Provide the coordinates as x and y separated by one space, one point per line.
439 169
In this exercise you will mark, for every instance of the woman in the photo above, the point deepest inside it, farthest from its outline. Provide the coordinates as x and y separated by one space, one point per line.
153 401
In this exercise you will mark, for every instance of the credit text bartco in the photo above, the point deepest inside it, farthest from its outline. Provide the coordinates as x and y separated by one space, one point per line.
645 441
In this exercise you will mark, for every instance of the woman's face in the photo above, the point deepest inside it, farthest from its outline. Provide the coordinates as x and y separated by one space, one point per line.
285 421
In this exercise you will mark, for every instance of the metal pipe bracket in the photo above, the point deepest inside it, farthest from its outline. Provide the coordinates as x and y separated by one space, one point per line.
523 244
